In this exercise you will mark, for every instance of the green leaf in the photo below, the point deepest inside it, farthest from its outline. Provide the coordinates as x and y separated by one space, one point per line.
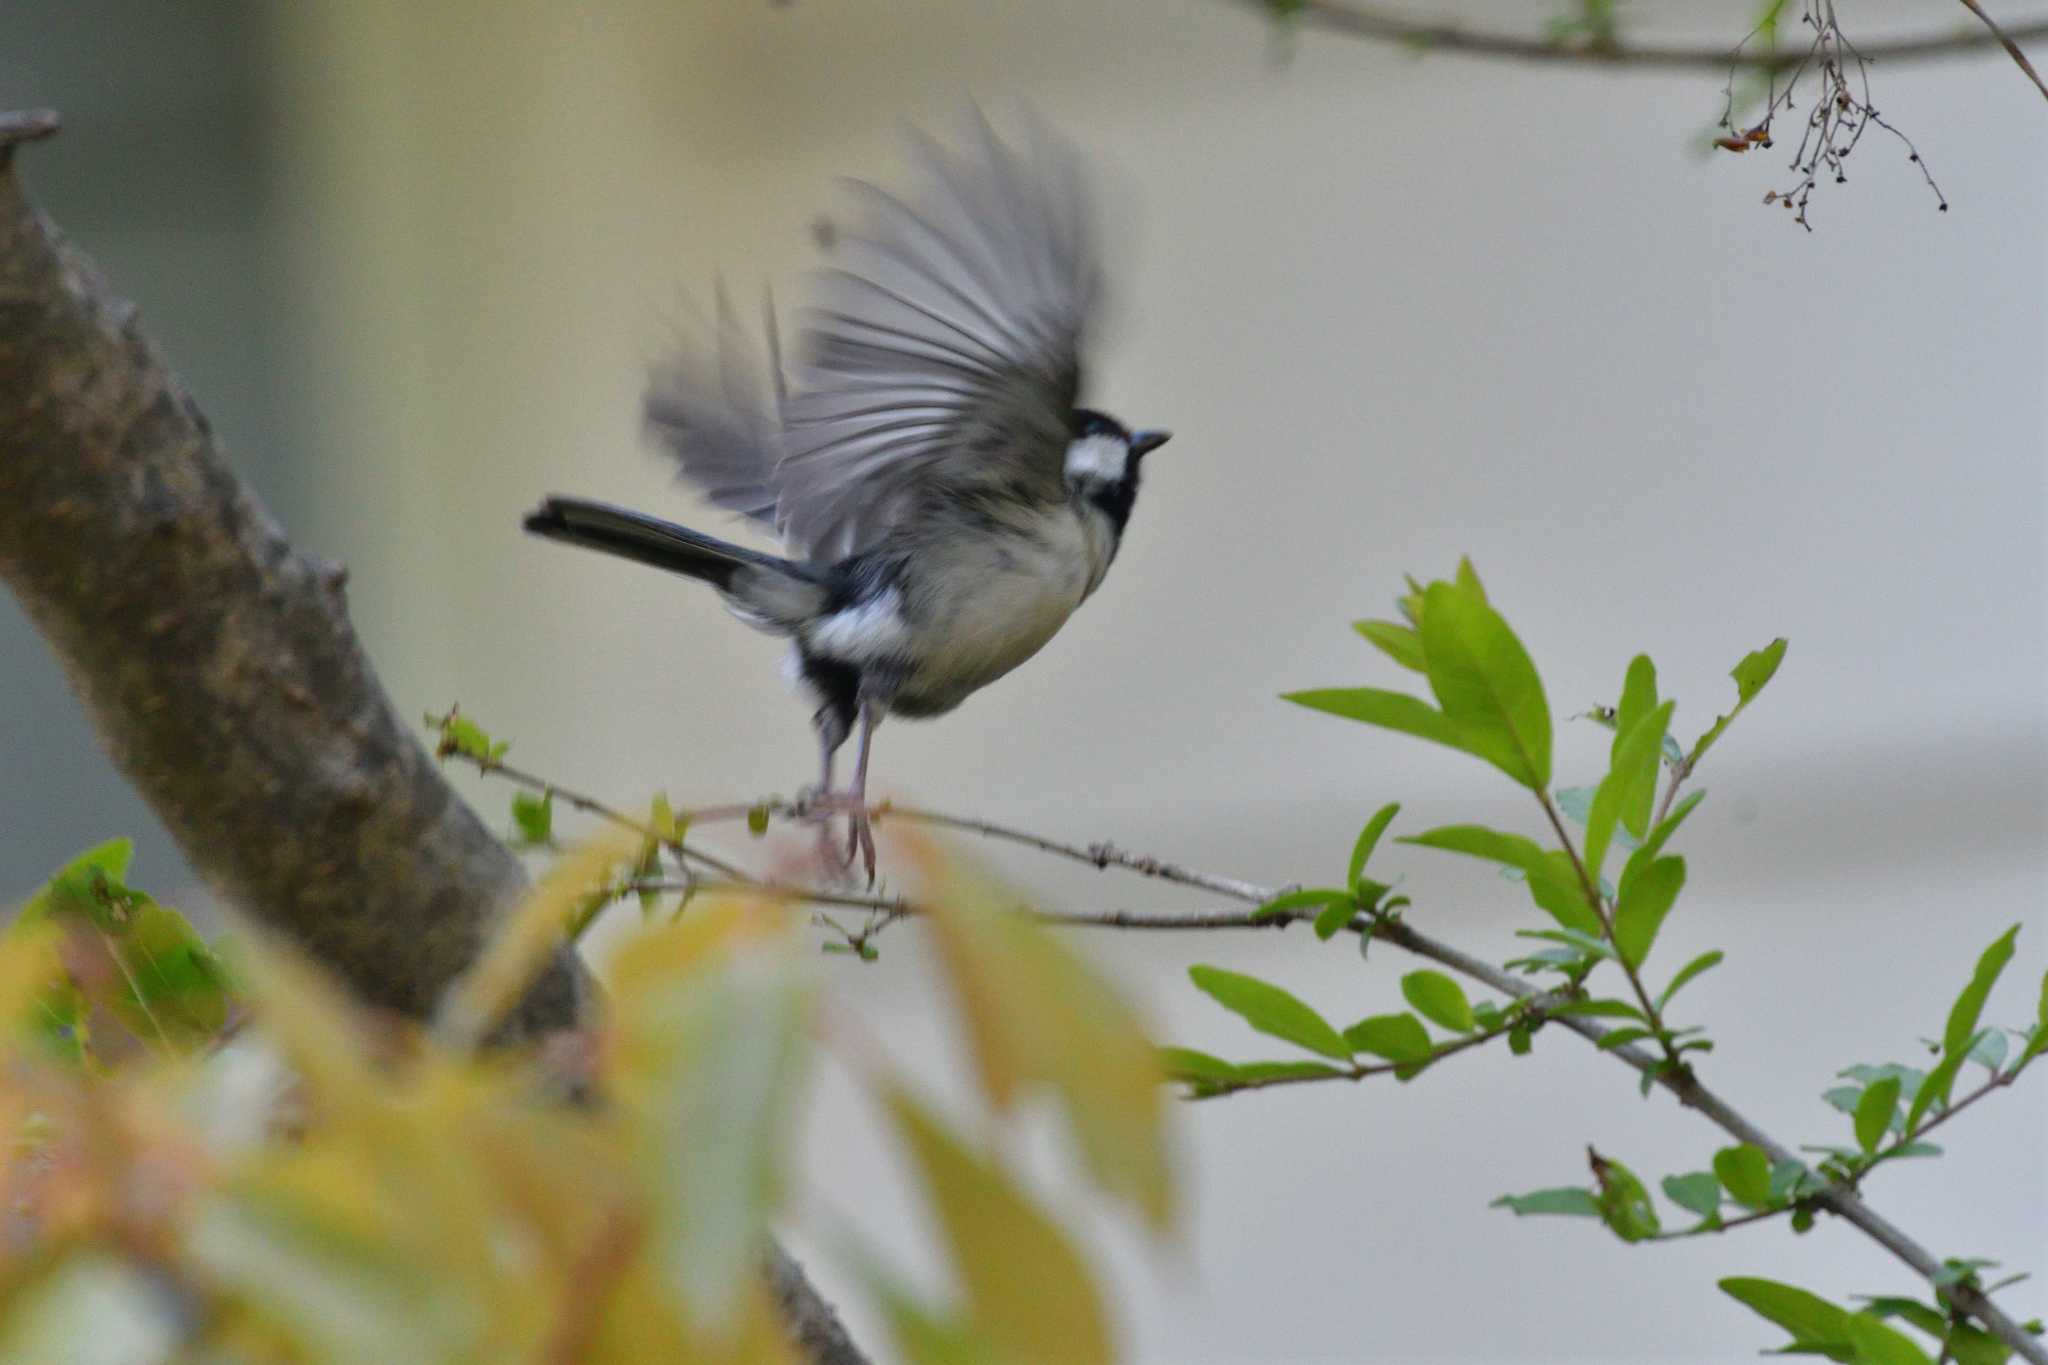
1302 900
1956 1269
1396 1037
1635 769
1513 850
1519 1041
533 816
1641 859
1622 1037
1625 1206
1638 700
1271 1010
1936 1088
1468 580
1570 1200
1483 679
1990 1050
1874 1112
1553 882
1186 1064
1438 999
175 987
1586 943
1602 1009
1368 840
82 885
1962 1018
1388 710
661 818
1705 962
1745 1172
1640 912
1398 642
1877 1344
1750 675
460 734
1790 1178
1927 1318
757 819
1266 1071
1970 1346
1697 1192
1333 918
1910 1078
1843 1097
1811 1320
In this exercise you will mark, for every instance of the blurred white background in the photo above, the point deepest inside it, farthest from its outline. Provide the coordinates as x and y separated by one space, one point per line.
1396 311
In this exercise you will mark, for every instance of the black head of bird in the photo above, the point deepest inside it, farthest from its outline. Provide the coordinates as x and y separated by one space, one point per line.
944 500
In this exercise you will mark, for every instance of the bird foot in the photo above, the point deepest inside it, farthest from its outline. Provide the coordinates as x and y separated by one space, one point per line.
861 840
821 806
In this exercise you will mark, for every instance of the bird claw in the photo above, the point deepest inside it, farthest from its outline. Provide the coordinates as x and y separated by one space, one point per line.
821 806
861 840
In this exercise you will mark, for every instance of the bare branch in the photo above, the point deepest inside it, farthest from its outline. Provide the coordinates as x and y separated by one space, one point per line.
2005 40
1681 1081
1384 26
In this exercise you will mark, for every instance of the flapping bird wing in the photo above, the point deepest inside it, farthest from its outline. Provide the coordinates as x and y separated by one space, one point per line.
708 407
942 345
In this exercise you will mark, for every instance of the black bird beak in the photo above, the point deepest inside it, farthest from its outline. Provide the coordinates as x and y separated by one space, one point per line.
1145 442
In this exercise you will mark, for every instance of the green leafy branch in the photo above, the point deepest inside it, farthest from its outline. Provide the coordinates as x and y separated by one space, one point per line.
1486 700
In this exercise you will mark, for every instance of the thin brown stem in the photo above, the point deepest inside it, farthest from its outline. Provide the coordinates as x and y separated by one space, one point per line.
2005 40
1839 1199
1378 25
1359 1071
1651 1016
1725 1225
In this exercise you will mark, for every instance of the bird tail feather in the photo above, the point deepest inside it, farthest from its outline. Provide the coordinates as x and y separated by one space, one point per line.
766 591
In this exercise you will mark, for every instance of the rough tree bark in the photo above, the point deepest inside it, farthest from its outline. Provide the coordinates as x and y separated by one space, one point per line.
219 668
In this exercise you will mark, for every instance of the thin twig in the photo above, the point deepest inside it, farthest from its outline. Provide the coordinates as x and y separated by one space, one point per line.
1837 1198
1721 1225
1359 1071
2008 44
1591 889
1377 25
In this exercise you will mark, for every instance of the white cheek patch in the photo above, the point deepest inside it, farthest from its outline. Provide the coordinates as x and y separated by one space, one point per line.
872 630
1097 457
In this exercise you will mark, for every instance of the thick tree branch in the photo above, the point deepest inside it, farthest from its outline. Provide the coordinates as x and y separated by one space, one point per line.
220 670
217 664
1385 26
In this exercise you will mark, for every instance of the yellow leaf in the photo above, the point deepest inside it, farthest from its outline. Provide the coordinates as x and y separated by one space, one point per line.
711 1041
1030 1296
1036 1012
528 938
315 1026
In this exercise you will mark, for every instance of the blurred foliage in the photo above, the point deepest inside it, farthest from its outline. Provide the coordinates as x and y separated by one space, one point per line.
239 1165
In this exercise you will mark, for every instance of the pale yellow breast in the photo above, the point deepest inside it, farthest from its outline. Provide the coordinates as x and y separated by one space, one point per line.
1001 597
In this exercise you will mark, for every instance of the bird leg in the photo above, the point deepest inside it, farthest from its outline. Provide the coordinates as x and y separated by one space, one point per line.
832 723
861 837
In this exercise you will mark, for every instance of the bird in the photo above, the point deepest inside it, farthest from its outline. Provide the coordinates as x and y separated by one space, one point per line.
944 500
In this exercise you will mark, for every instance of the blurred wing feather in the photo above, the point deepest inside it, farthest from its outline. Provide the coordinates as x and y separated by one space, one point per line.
943 345
708 408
